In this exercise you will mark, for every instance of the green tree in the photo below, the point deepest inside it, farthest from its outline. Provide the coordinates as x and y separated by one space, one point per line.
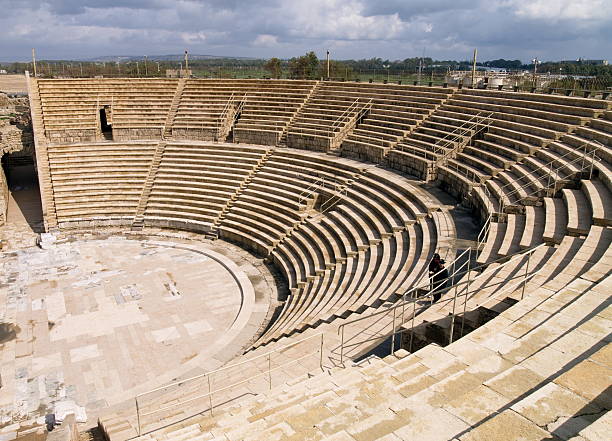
337 69
304 67
273 65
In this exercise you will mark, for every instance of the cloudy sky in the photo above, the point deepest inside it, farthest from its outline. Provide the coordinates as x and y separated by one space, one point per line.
393 29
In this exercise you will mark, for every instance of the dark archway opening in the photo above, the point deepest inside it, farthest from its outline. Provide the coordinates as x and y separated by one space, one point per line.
19 171
24 201
105 127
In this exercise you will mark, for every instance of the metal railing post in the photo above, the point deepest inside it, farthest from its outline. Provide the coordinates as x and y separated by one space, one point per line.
342 347
393 335
592 164
549 179
270 370
467 289
137 416
321 354
210 402
525 279
452 327
412 325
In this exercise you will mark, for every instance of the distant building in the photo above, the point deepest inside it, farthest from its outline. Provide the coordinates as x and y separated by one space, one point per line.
596 62
178 73
588 62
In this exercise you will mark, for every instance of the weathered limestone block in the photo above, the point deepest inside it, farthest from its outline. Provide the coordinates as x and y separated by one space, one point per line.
136 133
306 142
205 134
62 136
454 185
259 137
15 126
4 195
410 164
364 152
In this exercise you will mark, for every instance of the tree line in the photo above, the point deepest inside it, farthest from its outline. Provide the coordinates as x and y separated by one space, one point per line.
307 66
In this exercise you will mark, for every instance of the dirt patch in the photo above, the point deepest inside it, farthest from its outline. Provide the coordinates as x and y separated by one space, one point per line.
8 332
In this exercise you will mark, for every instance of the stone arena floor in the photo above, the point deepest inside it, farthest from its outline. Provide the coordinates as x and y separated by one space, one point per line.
97 320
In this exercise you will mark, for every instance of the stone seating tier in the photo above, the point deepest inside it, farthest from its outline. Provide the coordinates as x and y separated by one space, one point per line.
135 105
515 357
368 237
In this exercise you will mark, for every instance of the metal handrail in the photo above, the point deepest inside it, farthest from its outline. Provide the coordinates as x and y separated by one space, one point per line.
402 304
481 238
224 113
479 122
484 232
340 190
343 115
450 146
308 191
337 122
549 164
352 113
226 107
553 171
207 375
474 120
241 105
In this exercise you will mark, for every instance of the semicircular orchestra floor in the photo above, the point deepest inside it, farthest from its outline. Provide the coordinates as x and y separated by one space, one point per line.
96 321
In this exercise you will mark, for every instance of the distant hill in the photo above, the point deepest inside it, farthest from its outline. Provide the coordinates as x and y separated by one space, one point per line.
177 57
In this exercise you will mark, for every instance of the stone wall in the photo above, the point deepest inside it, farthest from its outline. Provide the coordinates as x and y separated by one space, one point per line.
260 137
15 126
363 152
134 134
62 136
410 164
4 197
16 136
308 142
194 134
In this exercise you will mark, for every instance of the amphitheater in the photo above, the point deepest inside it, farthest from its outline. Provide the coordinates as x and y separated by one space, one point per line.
248 259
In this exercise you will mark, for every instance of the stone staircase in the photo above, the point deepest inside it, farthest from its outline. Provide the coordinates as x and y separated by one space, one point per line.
229 116
167 133
522 375
138 223
243 186
42 158
347 123
282 142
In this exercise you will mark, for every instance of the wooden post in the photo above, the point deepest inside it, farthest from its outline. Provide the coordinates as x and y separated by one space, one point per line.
34 61
474 68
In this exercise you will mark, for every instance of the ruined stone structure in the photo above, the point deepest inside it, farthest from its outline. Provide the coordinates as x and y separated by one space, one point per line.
16 138
311 177
4 195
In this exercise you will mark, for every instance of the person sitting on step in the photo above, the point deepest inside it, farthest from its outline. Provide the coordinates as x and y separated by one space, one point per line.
437 276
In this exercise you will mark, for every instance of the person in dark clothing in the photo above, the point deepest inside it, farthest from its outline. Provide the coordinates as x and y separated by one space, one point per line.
437 276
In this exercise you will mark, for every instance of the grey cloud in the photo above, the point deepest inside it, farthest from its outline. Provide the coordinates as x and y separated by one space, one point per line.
72 7
408 9
393 29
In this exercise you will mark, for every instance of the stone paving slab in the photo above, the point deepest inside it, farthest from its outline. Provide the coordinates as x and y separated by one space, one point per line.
96 321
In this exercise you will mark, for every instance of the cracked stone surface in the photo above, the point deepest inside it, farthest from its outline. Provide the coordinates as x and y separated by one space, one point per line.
557 410
95 321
